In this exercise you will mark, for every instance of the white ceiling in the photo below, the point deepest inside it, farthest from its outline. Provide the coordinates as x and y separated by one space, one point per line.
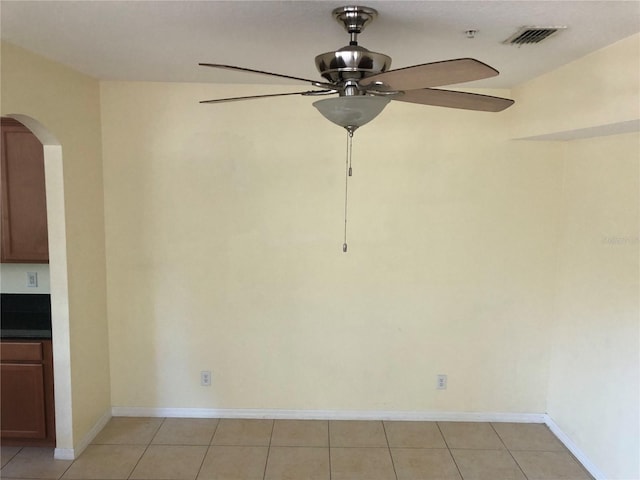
165 40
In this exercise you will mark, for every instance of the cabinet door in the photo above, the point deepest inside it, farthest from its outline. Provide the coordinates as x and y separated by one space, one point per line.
23 401
24 208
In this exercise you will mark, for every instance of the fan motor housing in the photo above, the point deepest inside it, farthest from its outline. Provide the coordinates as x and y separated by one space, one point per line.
351 62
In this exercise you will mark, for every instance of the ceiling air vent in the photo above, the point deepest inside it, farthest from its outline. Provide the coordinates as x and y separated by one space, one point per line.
527 35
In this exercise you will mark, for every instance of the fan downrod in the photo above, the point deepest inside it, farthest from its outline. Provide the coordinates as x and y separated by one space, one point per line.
355 19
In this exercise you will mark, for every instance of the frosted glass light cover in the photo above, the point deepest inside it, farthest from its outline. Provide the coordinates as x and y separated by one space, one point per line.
352 111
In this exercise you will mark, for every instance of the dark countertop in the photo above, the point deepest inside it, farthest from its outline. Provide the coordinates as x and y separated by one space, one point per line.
11 334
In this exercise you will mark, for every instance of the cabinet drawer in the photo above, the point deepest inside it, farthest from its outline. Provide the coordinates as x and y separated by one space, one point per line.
21 352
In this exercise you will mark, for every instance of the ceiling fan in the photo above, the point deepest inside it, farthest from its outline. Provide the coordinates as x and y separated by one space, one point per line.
364 84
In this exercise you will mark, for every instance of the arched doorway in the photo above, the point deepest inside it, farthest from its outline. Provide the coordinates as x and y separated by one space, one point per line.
59 291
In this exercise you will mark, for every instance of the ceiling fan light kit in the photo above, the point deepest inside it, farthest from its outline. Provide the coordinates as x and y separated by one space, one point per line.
365 85
351 112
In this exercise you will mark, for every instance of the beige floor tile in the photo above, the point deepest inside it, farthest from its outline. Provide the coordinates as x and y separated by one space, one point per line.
414 435
300 433
7 453
470 435
170 462
128 431
361 464
296 463
239 450
356 433
186 431
32 462
423 464
528 436
487 465
105 462
234 463
546 465
246 432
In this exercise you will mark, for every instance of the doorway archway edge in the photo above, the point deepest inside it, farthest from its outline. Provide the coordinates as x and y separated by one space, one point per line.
56 221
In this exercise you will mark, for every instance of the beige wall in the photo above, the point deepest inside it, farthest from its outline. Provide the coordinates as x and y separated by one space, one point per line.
224 234
594 373
598 90
595 364
67 105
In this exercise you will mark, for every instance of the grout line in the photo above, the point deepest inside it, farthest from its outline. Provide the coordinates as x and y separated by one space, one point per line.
14 455
507 448
155 434
273 424
146 448
329 445
208 448
449 450
384 429
202 462
215 430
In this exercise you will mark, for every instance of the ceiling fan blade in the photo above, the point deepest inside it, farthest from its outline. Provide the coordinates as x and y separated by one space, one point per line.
250 70
447 72
251 97
453 99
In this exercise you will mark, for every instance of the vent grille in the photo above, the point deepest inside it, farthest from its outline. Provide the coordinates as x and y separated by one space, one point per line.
526 35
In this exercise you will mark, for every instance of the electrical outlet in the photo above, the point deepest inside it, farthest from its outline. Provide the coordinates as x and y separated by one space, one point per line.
205 378
441 382
32 279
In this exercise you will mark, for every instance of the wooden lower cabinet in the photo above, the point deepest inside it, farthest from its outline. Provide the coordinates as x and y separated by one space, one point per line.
26 394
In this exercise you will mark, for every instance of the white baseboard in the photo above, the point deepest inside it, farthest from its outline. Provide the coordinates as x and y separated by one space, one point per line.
573 448
64 454
73 453
329 414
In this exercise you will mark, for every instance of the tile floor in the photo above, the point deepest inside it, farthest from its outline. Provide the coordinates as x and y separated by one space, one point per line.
226 449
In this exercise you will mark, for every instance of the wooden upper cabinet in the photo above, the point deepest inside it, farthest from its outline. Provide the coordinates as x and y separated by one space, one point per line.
23 200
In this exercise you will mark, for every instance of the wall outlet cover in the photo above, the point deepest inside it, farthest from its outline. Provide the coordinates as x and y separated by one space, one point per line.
205 378
32 279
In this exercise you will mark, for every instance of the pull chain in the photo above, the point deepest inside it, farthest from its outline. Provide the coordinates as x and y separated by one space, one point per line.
348 172
350 147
